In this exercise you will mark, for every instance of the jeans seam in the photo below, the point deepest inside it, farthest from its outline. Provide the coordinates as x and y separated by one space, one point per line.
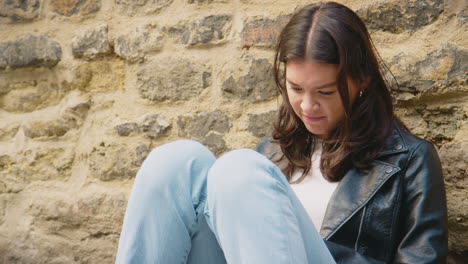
284 219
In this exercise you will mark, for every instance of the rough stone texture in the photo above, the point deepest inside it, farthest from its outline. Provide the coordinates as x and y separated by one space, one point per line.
463 17
30 96
401 15
85 211
206 127
207 1
63 193
263 31
8 86
30 51
3 205
75 7
455 168
131 7
20 10
72 118
107 162
261 125
441 71
98 76
32 165
454 157
443 122
9 131
153 126
170 79
138 43
253 85
438 123
91 43
211 29
94 218
126 129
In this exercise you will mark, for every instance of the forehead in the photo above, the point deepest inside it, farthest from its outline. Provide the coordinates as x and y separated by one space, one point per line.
310 72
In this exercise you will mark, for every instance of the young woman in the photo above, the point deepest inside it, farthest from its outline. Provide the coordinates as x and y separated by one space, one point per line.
339 161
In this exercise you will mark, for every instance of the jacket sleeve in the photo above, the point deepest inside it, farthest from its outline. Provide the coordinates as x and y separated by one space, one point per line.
260 148
424 209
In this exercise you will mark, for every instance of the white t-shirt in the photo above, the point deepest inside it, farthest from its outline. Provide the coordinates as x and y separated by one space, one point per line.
314 191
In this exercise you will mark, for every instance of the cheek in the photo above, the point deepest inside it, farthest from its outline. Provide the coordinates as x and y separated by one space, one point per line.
295 102
337 111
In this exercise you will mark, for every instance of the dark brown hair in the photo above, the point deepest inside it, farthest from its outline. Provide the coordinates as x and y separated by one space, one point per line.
332 33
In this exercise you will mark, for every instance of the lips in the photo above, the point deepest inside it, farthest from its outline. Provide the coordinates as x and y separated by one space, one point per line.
313 118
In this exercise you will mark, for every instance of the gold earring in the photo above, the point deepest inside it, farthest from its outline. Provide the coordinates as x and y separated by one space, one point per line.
360 94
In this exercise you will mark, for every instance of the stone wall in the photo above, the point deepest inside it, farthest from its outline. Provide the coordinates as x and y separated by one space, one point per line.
89 87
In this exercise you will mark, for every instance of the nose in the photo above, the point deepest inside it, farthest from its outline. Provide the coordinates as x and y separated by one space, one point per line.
309 104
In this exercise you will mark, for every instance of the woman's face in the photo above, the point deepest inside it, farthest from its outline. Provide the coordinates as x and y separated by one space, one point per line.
314 96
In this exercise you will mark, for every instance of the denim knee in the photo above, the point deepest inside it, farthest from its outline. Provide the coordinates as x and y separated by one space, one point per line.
241 169
165 162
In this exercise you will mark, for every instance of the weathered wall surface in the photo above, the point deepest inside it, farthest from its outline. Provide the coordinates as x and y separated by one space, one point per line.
89 87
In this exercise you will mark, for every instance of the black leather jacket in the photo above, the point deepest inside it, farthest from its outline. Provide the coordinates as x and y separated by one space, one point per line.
395 212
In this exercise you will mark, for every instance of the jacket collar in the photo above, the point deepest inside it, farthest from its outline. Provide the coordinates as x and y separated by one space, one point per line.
358 186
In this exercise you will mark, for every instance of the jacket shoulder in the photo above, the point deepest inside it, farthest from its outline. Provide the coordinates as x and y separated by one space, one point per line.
404 141
268 147
272 150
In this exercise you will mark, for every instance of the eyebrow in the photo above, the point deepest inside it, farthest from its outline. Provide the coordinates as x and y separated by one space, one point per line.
323 86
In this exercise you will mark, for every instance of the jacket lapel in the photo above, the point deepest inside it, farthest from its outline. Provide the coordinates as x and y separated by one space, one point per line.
358 186
353 192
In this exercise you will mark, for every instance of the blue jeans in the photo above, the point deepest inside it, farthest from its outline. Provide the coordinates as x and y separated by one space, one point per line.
188 207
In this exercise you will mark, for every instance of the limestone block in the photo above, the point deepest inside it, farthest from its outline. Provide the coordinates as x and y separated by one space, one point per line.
252 82
462 17
72 227
75 7
263 31
443 122
132 7
206 127
454 156
20 10
116 161
30 96
8 86
153 126
207 1
31 50
201 124
138 43
40 164
457 205
172 79
260 125
91 43
211 29
401 15
438 123
455 168
126 129
215 143
97 214
9 183
28 246
72 118
8 131
441 71
3 207
98 76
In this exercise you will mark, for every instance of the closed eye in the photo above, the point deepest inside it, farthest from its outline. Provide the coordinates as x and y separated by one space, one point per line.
295 88
327 93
